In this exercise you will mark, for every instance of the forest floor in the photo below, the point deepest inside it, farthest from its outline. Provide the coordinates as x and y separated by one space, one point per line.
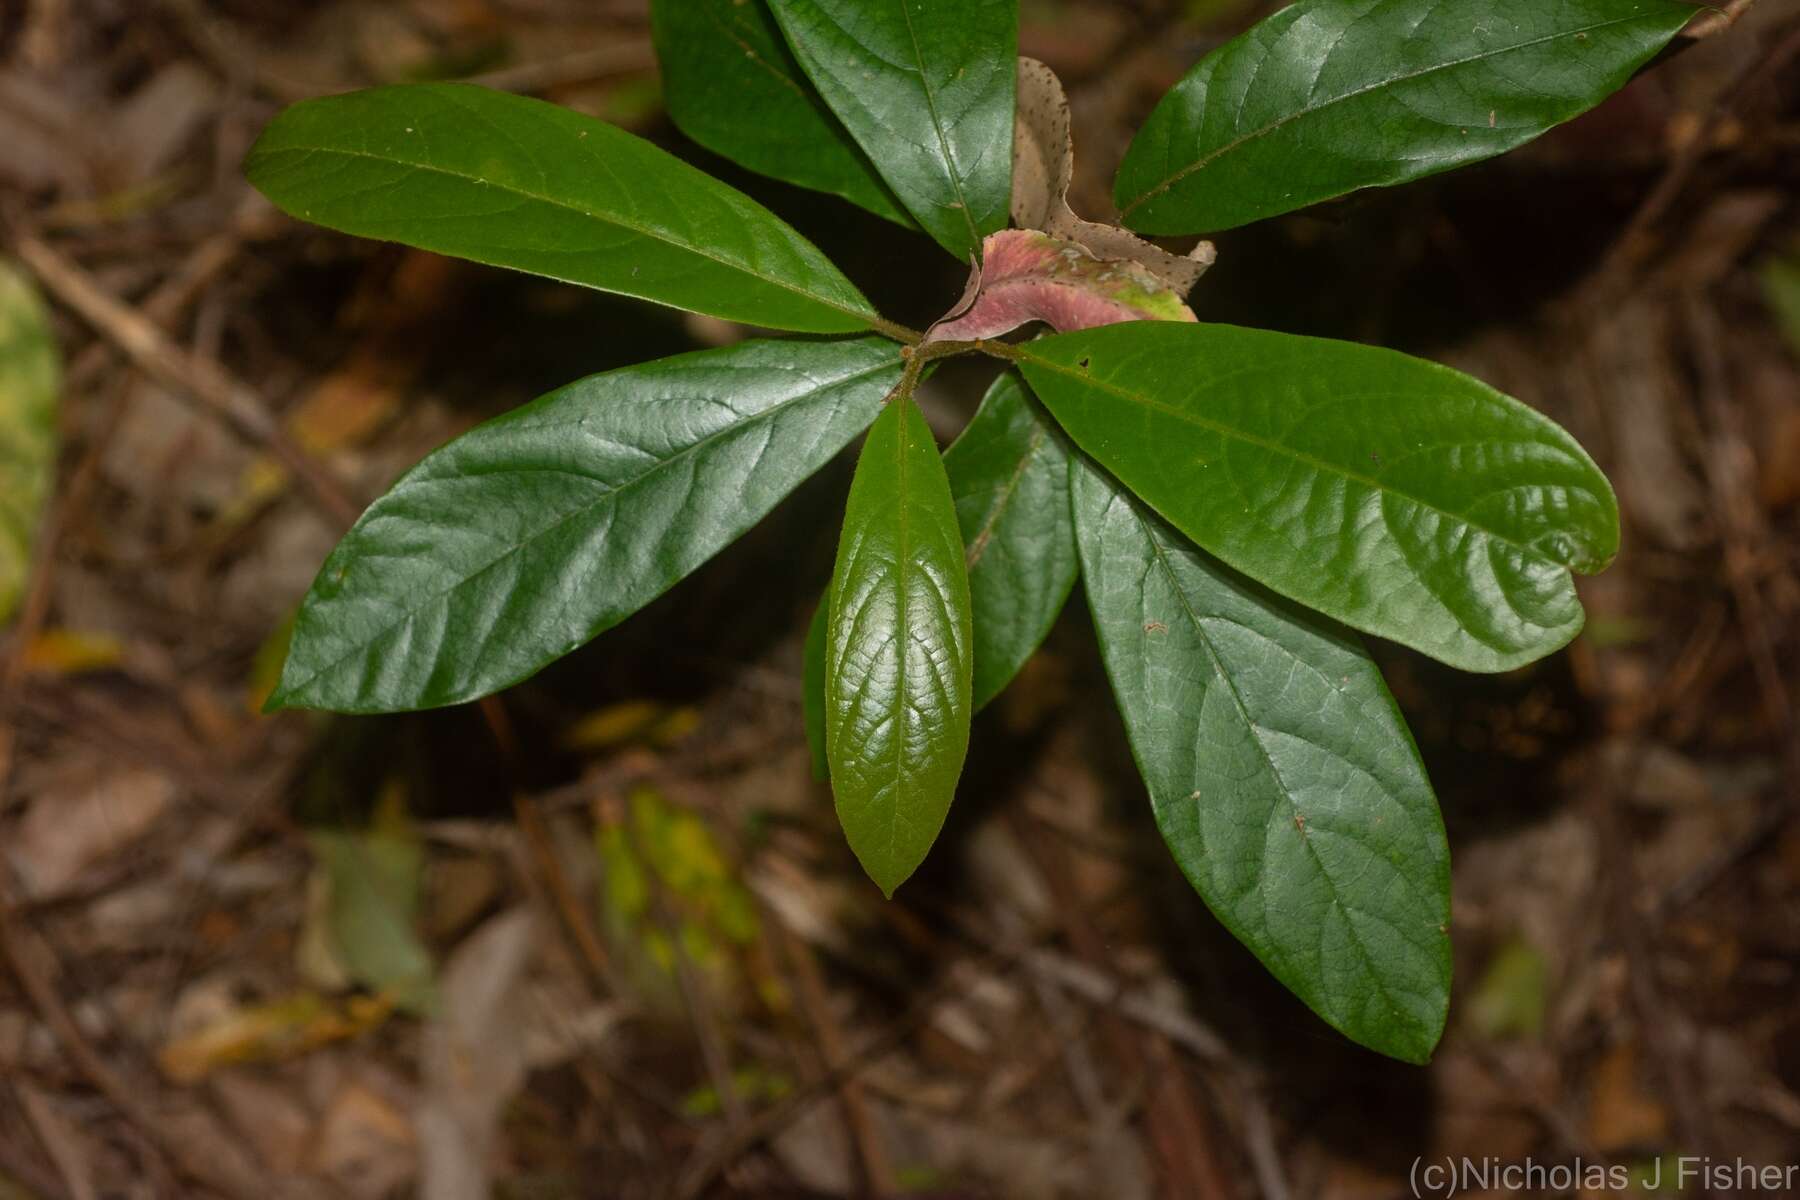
601 936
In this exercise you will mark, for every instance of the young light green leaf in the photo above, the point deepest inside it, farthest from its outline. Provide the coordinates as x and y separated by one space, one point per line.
370 883
527 536
1328 96
926 88
30 375
1398 496
732 85
515 182
1280 772
812 688
897 650
1009 474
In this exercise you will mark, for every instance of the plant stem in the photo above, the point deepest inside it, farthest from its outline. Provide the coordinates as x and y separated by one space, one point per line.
917 356
904 334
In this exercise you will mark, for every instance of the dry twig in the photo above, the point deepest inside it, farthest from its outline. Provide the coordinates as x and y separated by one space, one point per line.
28 954
218 392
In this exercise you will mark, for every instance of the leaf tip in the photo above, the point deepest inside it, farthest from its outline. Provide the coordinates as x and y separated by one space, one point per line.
1420 1057
886 875
288 692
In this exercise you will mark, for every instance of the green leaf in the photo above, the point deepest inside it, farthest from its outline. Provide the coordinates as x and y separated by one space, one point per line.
669 892
30 377
1280 772
1328 96
1509 998
732 85
897 650
516 182
812 688
1780 278
527 536
1401 497
371 883
1009 473
926 89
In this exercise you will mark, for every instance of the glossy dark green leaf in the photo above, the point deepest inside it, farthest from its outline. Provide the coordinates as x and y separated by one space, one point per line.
527 536
516 182
1281 774
812 688
1009 473
1328 96
897 650
732 85
926 88
1399 496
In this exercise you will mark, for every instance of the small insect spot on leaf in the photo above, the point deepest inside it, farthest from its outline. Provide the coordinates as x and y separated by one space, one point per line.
1300 823
1375 458
1083 362
1581 37
1155 627
1493 114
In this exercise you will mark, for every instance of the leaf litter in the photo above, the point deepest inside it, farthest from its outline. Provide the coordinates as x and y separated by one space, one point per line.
179 898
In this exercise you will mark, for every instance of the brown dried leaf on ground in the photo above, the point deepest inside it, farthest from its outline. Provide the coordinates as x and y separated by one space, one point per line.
473 1057
365 1142
65 832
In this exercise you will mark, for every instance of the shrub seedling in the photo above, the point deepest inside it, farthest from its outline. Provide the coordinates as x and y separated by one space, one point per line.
1240 504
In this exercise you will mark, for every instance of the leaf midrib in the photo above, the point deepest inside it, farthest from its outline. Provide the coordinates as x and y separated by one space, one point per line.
1297 456
751 53
985 534
611 493
1243 711
1208 159
863 315
903 565
937 126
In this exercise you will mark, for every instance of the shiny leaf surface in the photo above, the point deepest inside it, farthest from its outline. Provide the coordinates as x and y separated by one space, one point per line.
897 650
519 183
1009 474
1328 96
1401 497
926 88
530 534
732 85
1280 772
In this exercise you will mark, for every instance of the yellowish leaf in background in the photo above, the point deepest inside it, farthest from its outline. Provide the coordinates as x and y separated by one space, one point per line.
30 374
